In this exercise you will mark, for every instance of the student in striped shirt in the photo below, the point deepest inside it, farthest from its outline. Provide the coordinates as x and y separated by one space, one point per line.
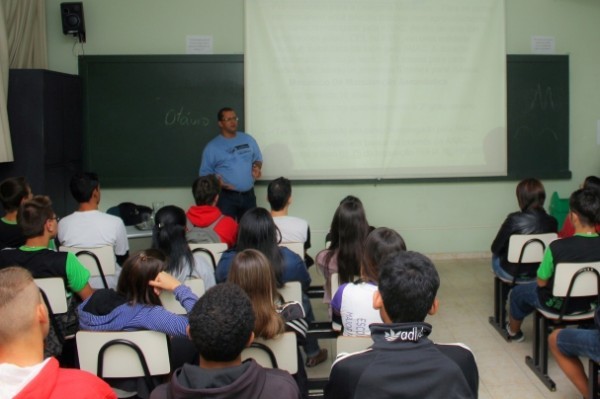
135 305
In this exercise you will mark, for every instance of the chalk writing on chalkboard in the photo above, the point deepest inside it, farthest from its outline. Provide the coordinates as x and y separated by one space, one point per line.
538 116
183 117
148 118
543 98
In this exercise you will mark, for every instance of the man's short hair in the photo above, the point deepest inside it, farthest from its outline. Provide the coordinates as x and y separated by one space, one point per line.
33 214
222 111
82 185
408 284
585 202
12 192
221 322
279 193
205 189
18 298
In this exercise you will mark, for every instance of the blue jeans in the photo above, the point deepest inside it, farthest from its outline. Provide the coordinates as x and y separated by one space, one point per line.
523 300
579 342
235 203
311 345
503 274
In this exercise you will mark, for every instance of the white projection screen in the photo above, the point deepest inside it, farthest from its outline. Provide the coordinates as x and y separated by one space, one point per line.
377 89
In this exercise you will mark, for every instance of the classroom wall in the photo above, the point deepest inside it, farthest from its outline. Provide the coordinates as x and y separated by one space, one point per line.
435 218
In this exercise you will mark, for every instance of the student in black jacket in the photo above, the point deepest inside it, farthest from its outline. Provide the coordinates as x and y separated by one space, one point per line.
403 362
531 219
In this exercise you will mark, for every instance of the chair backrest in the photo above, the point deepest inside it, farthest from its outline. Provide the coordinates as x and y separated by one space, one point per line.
216 248
296 247
100 261
291 291
581 279
352 344
528 248
54 288
283 348
206 255
335 283
113 354
172 305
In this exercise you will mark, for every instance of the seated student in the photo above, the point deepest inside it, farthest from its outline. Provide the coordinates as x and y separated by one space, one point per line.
88 227
584 246
206 215
403 362
531 219
251 271
258 231
24 373
349 230
568 230
13 191
291 228
135 305
40 224
568 345
168 235
221 325
352 303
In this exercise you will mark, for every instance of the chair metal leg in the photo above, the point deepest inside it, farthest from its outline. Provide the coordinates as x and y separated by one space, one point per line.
498 320
593 379
539 362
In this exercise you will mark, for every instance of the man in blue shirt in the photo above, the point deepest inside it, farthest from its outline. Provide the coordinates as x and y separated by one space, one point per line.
237 161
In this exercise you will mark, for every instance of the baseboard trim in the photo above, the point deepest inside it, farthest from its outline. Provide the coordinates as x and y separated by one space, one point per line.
459 255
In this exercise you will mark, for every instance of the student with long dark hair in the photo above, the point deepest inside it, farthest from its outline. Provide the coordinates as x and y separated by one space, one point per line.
348 232
530 219
135 305
168 235
257 230
351 305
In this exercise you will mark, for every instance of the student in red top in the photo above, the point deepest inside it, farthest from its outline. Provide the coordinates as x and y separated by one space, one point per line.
24 373
568 229
206 191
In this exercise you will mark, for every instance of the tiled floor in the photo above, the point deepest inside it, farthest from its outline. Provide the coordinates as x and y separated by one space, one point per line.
466 302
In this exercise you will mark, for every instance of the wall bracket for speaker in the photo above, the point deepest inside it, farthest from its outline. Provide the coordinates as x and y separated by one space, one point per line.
72 20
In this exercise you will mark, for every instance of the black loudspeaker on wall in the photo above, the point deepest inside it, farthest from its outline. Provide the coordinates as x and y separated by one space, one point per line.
72 20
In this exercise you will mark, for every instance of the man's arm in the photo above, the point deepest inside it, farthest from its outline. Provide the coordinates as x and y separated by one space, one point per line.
257 160
85 292
206 163
546 269
257 169
78 277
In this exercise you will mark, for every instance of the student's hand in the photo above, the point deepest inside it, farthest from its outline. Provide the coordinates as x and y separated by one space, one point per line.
164 281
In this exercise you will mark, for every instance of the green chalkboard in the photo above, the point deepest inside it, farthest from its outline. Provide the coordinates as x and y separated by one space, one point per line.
538 116
148 117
